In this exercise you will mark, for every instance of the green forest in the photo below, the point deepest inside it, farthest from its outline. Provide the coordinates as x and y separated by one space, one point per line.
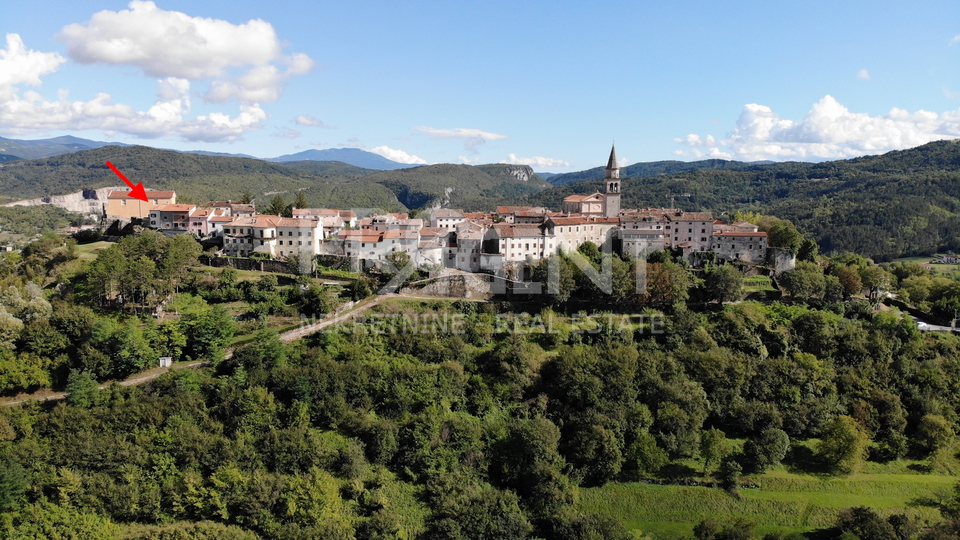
700 406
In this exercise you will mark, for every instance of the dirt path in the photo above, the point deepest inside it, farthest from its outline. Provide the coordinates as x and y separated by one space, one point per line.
291 335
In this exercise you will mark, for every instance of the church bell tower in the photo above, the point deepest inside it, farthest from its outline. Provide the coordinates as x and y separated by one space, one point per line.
612 195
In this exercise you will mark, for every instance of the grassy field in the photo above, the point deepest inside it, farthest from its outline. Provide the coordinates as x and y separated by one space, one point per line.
88 252
757 284
939 269
784 502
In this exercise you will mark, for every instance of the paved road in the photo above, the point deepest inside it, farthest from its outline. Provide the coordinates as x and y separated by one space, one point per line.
286 337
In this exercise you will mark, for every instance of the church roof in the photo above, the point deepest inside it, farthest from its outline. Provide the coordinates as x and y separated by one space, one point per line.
612 162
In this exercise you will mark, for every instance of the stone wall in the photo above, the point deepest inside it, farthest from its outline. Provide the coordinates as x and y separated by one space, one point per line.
457 285
780 259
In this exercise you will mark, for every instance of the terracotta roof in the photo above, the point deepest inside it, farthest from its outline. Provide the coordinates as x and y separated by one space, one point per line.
514 209
391 234
740 233
509 230
691 216
446 213
580 198
222 219
584 220
173 208
349 233
348 214
150 194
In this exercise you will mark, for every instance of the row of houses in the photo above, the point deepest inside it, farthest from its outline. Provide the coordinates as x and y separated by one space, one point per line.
497 242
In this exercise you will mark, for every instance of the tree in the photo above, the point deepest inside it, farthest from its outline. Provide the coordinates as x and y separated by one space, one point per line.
808 250
865 523
849 277
13 484
805 280
876 279
301 201
724 283
179 254
81 389
766 450
843 446
277 206
668 283
713 447
934 433
246 197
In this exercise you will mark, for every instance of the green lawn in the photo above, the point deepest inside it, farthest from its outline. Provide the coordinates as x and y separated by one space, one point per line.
88 252
935 268
785 502
757 284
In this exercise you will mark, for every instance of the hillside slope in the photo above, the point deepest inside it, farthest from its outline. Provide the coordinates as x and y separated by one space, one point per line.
900 203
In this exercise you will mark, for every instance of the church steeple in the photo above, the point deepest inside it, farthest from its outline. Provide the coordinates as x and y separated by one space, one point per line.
613 172
611 199
613 168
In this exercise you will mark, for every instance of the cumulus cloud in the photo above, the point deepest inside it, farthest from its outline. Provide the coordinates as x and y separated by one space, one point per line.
828 131
173 44
306 120
468 160
471 137
18 65
537 161
398 155
863 74
32 113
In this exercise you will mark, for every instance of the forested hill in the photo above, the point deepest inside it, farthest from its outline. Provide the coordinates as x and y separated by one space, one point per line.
899 203
459 186
325 183
641 170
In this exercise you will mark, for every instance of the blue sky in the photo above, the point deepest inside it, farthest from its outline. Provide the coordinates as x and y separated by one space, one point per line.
550 84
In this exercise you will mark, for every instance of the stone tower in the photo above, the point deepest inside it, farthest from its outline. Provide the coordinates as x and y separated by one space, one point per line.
612 196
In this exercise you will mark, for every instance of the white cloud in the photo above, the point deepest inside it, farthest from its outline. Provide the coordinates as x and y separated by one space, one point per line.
828 131
173 44
306 120
398 155
864 74
18 65
472 137
468 160
622 162
956 39
285 133
352 142
32 113
537 161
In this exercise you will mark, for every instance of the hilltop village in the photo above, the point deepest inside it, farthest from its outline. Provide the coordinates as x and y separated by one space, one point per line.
499 242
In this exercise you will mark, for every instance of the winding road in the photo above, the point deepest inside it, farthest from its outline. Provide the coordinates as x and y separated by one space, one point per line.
286 337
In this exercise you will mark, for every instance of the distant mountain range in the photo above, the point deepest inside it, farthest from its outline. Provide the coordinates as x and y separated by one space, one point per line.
353 156
42 148
13 149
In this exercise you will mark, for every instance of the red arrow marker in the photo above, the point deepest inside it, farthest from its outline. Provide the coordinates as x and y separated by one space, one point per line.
136 191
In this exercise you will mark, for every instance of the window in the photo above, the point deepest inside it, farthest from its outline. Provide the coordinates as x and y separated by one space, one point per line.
123 202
